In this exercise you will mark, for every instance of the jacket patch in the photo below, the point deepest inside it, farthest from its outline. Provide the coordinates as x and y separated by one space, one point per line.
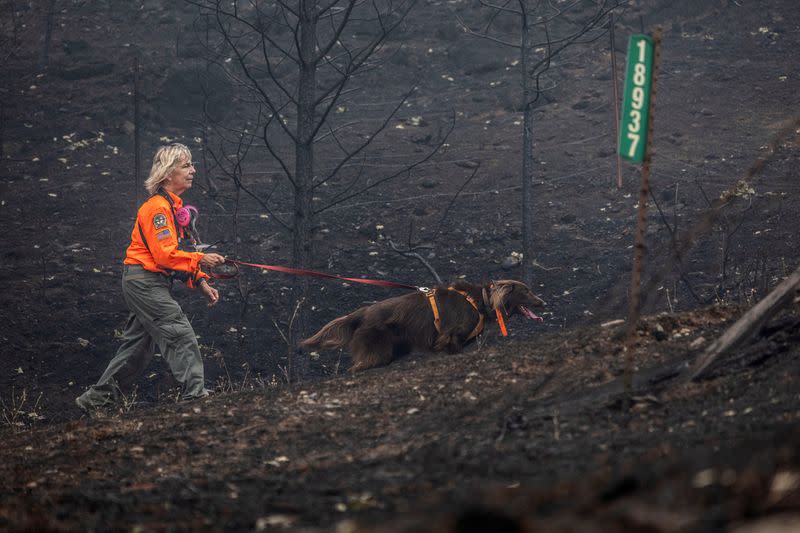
159 221
162 234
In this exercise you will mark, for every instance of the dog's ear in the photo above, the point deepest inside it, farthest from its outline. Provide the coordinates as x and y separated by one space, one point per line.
499 292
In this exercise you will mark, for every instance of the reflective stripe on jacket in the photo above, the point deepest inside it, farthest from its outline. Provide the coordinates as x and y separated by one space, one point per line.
161 254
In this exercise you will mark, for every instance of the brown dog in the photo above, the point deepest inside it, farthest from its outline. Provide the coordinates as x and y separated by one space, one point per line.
444 319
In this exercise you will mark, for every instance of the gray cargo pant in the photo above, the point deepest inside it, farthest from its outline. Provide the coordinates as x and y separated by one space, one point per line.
155 319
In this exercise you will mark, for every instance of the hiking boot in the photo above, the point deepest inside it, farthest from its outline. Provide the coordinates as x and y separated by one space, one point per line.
205 394
88 410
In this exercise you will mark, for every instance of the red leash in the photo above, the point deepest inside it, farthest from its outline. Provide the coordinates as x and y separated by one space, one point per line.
312 273
315 274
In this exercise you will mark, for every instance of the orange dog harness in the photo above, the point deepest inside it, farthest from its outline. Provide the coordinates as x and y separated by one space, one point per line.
437 321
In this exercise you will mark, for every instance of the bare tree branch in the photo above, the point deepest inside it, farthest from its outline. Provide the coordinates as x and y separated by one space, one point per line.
412 253
381 181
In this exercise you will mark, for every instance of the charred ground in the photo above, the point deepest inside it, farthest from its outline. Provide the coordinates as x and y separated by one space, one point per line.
530 431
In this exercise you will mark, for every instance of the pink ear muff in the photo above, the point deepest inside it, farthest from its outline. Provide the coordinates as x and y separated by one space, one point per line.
185 214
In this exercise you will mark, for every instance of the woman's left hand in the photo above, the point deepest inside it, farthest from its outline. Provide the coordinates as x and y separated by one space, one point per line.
211 294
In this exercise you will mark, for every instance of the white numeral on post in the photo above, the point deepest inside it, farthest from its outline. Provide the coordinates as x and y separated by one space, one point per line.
634 137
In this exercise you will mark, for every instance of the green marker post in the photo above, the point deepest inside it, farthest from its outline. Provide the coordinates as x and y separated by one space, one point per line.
636 99
635 138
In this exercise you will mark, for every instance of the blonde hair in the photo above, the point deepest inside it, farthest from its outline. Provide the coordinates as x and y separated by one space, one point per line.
167 158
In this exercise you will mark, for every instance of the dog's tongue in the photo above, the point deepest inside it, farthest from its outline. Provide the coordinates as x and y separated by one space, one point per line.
530 314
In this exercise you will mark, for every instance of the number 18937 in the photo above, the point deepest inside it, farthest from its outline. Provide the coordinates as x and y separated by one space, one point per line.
636 100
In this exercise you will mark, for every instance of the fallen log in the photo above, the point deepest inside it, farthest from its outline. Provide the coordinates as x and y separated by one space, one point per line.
747 326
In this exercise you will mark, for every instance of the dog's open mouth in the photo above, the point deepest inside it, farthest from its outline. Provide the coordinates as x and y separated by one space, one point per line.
529 314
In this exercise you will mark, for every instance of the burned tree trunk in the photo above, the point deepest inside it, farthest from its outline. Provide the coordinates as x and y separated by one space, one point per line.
302 223
304 147
527 155
747 326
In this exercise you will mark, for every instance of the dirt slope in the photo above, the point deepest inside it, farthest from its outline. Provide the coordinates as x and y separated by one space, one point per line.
526 433
516 436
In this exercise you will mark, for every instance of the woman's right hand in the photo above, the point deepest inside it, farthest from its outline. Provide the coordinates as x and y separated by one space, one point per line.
211 260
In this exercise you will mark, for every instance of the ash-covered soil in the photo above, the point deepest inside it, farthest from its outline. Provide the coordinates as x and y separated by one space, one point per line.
523 436
532 432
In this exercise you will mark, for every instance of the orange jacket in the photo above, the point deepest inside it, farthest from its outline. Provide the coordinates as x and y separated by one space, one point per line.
157 223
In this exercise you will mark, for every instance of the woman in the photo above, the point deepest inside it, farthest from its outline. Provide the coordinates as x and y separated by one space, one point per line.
152 260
